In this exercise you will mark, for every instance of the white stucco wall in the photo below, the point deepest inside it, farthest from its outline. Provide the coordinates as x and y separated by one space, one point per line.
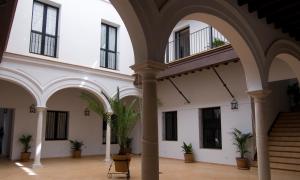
83 128
78 35
15 97
204 90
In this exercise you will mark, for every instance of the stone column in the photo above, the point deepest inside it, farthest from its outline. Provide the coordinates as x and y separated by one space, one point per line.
261 134
150 156
108 138
38 138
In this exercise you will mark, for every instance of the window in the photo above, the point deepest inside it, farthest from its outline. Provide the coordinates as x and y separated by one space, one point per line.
108 52
43 38
170 125
113 136
57 125
182 43
211 125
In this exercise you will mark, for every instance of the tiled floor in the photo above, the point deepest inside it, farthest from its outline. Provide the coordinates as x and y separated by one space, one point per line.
90 168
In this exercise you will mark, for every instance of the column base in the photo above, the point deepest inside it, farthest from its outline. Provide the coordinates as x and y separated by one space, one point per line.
36 165
107 160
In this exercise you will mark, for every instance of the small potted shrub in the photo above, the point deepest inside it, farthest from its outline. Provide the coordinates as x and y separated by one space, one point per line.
76 148
217 42
25 141
240 140
188 152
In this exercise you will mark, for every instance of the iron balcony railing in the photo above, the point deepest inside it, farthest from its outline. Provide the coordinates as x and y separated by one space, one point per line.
196 42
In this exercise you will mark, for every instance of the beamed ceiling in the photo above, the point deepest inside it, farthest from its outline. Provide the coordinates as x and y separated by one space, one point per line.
284 14
160 3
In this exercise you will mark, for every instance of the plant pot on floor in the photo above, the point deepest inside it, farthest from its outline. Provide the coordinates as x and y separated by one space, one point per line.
25 156
242 163
77 154
121 162
188 158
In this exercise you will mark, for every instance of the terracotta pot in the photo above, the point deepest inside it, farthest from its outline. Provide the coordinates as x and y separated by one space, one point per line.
242 163
77 154
25 156
121 162
188 158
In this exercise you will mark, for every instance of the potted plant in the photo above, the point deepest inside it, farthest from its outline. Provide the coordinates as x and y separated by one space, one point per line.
76 148
217 42
128 145
293 92
188 152
240 140
121 122
25 141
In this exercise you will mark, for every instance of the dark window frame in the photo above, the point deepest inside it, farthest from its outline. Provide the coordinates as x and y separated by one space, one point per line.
106 49
205 127
113 137
170 128
43 33
178 38
56 126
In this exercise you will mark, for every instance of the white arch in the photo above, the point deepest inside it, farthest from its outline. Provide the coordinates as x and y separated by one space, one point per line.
21 79
129 91
287 51
80 83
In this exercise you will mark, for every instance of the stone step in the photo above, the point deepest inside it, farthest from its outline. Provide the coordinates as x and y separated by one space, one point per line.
290 114
284 134
287 139
287 122
282 166
274 159
284 149
286 129
285 143
284 154
287 125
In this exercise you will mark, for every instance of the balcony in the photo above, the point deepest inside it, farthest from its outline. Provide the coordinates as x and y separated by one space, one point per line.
192 44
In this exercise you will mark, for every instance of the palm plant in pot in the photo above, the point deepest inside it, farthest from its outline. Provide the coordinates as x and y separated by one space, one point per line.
240 140
25 141
188 152
121 122
76 148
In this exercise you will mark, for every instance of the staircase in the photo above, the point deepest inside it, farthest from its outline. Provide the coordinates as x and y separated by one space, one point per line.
284 142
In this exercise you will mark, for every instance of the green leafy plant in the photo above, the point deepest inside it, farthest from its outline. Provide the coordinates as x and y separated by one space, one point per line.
187 149
76 145
121 122
293 92
217 42
25 141
240 141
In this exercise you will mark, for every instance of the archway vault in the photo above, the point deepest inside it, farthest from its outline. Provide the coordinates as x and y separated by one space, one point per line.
81 83
150 23
21 79
286 51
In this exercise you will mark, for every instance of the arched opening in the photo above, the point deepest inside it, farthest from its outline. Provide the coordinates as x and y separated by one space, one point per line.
283 77
69 118
17 111
136 133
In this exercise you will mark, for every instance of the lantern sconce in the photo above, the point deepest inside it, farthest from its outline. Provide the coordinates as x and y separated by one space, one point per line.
32 108
234 104
86 112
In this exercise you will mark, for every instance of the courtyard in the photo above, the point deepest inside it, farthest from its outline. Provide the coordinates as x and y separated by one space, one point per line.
93 167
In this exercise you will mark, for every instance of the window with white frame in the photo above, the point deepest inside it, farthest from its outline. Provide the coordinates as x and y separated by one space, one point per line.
44 27
170 126
108 51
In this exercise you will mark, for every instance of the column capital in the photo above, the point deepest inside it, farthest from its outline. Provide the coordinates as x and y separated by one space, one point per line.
259 94
149 66
40 109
